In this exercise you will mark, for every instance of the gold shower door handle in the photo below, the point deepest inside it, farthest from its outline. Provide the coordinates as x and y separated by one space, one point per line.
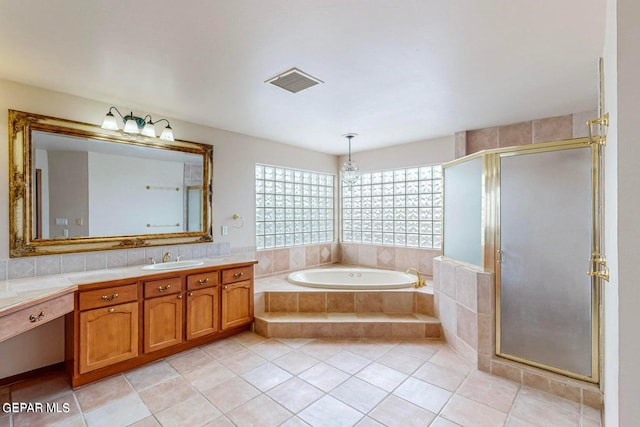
499 256
598 267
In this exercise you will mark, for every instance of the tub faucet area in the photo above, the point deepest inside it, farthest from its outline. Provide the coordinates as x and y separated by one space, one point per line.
420 282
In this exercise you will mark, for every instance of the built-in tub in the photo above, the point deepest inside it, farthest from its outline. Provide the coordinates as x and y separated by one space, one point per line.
352 278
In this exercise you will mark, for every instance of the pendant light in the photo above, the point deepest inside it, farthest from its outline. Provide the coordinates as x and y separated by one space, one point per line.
350 174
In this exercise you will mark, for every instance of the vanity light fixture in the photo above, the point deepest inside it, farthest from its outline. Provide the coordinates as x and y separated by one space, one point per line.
135 124
350 174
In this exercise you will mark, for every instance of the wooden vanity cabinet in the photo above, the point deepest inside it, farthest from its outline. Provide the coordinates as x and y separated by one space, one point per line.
108 326
203 305
237 297
163 310
119 325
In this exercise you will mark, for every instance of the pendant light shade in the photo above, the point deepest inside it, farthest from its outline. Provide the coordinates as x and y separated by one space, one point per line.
350 174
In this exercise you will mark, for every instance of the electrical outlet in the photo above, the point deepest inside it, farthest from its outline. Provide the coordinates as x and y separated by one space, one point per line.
224 230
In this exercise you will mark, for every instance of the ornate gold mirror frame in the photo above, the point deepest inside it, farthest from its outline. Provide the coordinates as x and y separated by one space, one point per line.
22 241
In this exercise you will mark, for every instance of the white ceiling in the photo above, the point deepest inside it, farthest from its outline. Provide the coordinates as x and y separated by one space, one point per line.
395 71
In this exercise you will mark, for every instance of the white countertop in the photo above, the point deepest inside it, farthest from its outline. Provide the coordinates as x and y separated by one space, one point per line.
21 293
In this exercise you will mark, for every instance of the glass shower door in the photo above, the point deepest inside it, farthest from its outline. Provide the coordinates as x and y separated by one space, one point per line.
545 313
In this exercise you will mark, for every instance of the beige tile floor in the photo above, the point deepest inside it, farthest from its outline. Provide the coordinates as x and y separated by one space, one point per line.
249 380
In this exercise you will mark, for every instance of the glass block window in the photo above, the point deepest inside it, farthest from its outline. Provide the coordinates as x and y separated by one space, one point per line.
293 207
400 207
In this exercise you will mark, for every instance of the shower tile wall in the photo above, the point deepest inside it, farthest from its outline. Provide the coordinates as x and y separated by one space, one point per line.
464 302
530 132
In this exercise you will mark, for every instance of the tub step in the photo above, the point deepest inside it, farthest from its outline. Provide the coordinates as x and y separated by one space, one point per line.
347 325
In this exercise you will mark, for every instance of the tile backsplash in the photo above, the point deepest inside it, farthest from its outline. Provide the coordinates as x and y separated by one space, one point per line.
275 261
18 268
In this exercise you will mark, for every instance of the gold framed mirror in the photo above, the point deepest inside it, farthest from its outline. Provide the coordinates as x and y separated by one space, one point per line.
75 187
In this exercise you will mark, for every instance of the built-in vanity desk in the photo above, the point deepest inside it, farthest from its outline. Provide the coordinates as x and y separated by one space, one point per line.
118 319
28 303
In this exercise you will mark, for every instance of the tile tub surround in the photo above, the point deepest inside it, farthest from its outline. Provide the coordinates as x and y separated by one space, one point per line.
464 302
389 257
19 268
282 260
287 310
250 380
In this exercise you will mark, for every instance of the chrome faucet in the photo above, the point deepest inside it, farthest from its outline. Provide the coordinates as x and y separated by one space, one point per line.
166 257
421 282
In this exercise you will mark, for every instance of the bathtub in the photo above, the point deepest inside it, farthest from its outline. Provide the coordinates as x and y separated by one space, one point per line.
352 278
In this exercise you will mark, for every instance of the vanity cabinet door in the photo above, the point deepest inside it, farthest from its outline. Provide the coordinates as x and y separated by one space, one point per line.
237 304
203 312
108 335
162 322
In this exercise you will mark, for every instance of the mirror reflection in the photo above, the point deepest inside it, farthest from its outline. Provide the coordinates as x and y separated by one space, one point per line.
85 187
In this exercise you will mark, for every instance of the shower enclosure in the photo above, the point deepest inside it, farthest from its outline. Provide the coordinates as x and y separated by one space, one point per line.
529 215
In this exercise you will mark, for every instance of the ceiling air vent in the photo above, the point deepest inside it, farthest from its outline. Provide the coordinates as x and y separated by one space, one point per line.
294 80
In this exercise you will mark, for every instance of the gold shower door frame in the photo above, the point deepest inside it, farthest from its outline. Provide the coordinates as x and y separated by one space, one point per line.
491 232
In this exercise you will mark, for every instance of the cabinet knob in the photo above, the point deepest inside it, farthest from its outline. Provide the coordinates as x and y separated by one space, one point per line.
162 289
179 296
225 287
190 294
238 275
202 282
112 310
109 298
34 318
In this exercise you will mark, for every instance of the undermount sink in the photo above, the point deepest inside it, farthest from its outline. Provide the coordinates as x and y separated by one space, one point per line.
173 265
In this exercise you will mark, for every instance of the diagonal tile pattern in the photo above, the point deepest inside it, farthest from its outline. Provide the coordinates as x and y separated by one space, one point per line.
250 380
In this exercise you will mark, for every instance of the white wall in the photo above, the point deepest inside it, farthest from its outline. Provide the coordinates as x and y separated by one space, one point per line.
437 150
622 294
610 292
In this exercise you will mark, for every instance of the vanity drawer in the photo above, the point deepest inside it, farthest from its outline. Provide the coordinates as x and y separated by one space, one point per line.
107 296
203 280
28 318
157 288
237 274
